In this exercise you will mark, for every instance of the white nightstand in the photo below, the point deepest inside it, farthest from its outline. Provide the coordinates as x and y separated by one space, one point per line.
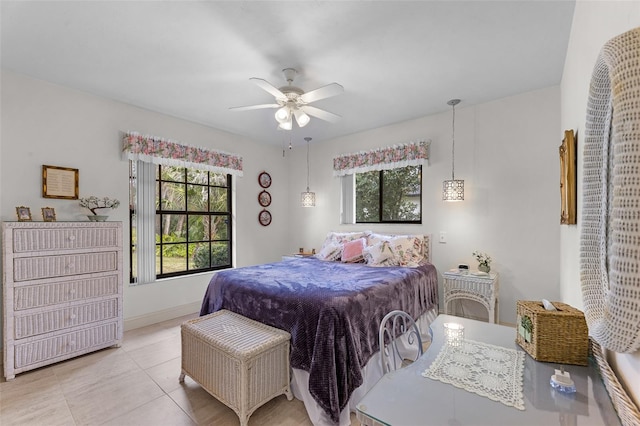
481 288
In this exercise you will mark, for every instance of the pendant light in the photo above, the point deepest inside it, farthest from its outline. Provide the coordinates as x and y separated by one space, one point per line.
308 198
453 190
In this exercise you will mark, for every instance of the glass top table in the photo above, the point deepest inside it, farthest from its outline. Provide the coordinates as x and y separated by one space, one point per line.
405 397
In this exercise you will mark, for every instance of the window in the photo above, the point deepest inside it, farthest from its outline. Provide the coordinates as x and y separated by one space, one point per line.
389 196
190 217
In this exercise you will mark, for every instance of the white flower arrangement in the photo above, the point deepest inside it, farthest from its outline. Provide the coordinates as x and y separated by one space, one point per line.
482 258
93 203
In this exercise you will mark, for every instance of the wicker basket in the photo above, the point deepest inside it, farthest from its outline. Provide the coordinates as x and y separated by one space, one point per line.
553 336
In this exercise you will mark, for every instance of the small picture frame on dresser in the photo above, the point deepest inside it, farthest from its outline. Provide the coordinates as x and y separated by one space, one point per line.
48 214
23 213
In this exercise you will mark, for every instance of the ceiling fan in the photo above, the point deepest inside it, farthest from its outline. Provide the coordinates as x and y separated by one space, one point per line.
292 101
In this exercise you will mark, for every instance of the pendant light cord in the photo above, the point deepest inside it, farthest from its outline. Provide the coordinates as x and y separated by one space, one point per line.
307 139
453 143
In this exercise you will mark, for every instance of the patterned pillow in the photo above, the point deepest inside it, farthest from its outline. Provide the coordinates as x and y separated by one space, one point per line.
408 249
343 237
352 250
330 252
379 254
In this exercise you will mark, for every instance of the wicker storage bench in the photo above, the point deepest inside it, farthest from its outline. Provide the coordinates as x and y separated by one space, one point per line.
241 362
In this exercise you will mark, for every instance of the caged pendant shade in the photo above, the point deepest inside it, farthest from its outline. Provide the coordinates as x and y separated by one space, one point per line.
453 190
308 198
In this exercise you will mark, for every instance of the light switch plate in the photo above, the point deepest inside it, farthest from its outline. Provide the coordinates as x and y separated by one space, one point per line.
443 237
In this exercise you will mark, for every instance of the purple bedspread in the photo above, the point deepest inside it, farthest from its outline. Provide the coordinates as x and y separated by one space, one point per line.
332 310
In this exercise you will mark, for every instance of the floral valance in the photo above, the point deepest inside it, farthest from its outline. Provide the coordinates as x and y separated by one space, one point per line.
392 157
155 150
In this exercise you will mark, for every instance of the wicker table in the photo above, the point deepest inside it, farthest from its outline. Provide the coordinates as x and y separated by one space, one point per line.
483 289
241 362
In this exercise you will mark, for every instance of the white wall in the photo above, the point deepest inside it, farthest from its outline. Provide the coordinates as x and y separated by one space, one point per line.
44 123
594 23
507 153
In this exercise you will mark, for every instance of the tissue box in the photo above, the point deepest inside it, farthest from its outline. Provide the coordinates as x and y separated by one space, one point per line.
553 336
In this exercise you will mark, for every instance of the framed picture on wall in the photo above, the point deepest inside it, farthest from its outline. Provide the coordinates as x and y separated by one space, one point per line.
60 182
568 188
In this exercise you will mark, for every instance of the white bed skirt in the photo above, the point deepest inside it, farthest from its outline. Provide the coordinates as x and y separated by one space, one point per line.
372 372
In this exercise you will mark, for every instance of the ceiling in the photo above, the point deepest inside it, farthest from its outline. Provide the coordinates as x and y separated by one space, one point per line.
396 60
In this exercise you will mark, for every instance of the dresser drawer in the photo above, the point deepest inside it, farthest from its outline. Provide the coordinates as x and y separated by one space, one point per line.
64 344
38 267
37 323
34 239
36 296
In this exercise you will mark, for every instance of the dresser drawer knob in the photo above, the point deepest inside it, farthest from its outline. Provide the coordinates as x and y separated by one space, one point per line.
72 343
72 237
72 291
72 316
70 265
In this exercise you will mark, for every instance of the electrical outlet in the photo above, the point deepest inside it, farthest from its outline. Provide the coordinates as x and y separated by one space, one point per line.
443 237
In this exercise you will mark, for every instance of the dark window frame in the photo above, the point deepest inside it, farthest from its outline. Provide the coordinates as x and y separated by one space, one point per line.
380 202
213 215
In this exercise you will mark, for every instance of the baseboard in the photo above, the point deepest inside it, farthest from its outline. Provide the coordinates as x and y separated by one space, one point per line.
163 315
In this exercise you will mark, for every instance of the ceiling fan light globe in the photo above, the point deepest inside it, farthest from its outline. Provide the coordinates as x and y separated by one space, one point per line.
283 115
287 125
301 118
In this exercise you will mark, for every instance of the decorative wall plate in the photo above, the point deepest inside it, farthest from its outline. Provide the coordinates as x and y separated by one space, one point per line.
264 179
264 218
264 198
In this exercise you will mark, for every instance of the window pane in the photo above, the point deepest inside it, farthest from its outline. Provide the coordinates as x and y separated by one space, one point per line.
197 196
173 227
221 228
219 179
197 176
218 199
368 197
220 254
173 174
174 258
401 194
199 256
172 196
198 227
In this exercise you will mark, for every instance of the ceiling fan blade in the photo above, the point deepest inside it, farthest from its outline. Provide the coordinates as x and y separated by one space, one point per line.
323 92
265 85
321 114
251 107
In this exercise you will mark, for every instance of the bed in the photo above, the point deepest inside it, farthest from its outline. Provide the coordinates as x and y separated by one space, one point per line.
332 310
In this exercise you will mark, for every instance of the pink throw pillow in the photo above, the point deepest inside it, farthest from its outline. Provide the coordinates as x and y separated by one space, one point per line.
352 251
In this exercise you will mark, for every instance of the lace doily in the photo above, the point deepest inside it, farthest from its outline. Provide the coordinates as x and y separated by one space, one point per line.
487 370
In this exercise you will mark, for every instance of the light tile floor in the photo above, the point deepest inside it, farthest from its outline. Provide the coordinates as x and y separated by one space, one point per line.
136 384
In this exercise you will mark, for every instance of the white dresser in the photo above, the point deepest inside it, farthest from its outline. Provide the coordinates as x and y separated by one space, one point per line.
62 291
